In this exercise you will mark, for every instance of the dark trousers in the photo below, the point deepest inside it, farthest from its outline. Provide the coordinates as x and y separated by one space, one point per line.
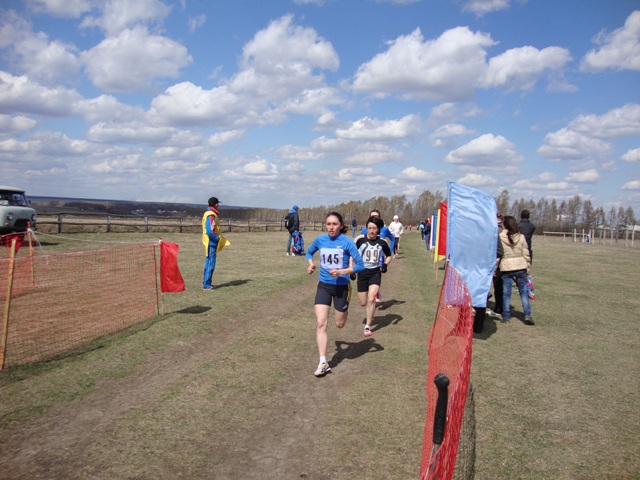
478 319
497 293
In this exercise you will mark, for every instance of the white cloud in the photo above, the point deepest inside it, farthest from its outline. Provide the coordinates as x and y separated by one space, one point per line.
133 59
586 176
130 133
260 167
312 101
283 49
619 122
106 108
277 76
294 167
18 94
222 138
632 156
46 144
61 8
294 152
476 180
196 22
48 60
120 15
443 136
415 174
520 68
568 144
382 130
620 49
35 55
482 7
451 67
632 185
445 69
486 150
15 125
373 157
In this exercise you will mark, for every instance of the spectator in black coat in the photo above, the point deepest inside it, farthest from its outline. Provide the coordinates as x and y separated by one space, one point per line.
527 228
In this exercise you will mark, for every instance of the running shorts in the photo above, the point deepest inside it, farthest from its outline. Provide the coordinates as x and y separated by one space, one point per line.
340 294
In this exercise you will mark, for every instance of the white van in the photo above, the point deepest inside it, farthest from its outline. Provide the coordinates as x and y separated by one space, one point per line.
15 213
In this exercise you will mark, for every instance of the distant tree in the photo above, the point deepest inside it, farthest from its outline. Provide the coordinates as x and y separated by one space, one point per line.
620 217
588 215
562 213
554 213
502 202
629 217
612 218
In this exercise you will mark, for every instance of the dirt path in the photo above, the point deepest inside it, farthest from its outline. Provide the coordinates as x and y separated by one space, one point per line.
78 439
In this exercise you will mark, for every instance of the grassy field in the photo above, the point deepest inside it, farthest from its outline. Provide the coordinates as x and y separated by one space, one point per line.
221 386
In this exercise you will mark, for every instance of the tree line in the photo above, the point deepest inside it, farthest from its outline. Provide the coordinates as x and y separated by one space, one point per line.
547 215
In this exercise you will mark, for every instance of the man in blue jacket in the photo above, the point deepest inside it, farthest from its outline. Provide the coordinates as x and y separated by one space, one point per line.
292 224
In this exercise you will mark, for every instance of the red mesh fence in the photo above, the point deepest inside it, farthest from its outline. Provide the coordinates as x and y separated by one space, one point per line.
449 348
52 303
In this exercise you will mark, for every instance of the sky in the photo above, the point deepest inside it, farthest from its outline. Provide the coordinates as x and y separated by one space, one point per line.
318 102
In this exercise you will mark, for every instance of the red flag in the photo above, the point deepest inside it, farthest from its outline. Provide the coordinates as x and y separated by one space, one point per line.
170 277
442 231
5 240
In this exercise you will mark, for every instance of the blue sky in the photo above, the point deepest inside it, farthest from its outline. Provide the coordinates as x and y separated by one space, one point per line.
271 103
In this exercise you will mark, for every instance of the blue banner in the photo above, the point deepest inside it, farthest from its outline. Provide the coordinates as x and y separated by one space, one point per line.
472 238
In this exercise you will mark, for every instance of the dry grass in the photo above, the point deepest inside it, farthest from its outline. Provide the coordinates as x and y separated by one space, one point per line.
221 387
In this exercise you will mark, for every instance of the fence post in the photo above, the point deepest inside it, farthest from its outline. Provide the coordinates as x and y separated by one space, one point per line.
59 223
146 224
7 304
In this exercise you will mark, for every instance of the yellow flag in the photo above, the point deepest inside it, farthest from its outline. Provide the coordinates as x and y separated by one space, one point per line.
436 231
222 243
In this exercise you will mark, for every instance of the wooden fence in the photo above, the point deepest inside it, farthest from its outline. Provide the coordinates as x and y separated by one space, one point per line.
93 223
599 235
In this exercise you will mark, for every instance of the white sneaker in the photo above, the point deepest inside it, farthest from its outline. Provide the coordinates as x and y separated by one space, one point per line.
323 369
367 331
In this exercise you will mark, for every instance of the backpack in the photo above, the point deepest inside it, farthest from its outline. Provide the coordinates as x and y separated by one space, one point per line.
288 221
297 243
531 293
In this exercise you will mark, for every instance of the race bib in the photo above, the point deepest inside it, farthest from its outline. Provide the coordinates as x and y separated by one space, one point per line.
331 258
371 255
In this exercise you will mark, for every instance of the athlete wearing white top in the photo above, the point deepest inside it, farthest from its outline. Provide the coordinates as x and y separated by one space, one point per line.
397 229
372 249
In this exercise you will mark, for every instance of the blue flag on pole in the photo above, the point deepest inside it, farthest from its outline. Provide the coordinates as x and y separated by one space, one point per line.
472 238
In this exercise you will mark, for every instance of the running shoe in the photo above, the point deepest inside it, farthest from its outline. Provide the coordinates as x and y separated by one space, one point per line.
323 369
378 297
528 320
367 331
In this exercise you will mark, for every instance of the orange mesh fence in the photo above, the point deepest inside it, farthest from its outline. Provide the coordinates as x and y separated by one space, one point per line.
52 303
449 348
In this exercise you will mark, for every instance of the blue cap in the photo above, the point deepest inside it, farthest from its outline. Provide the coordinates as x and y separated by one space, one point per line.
295 207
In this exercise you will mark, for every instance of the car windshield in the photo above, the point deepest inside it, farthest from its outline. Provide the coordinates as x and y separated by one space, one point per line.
12 198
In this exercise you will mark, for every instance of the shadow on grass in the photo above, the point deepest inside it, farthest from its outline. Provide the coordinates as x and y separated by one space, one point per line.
195 309
233 283
490 327
353 350
34 369
389 303
380 322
